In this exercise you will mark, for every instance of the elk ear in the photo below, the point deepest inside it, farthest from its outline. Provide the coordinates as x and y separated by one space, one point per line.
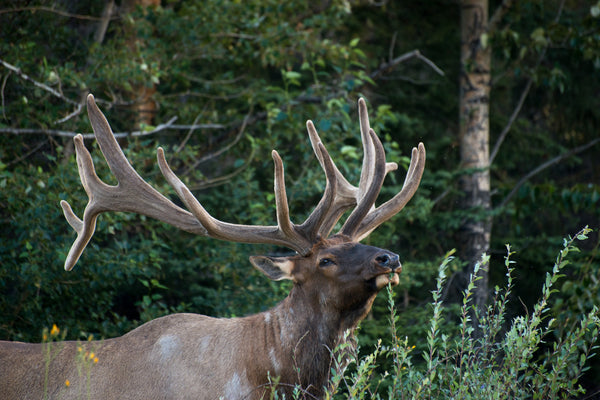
276 268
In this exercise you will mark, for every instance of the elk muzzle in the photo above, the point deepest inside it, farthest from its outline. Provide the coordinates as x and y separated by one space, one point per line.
390 266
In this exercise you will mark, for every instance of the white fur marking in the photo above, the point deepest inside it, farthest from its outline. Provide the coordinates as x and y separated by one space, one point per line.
237 387
168 346
204 345
287 327
275 361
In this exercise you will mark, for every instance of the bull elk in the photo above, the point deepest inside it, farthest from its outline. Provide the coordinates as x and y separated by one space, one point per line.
189 356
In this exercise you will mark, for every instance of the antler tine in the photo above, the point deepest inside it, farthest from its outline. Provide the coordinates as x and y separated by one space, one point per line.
369 160
396 204
376 163
368 165
284 234
317 222
281 202
348 195
84 228
344 195
346 191
131 193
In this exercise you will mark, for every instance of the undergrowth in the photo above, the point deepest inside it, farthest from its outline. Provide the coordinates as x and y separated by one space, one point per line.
490 357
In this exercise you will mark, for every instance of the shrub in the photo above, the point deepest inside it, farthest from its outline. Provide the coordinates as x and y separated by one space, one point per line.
487 356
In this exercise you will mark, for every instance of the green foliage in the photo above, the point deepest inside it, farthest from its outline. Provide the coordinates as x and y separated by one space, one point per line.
514 358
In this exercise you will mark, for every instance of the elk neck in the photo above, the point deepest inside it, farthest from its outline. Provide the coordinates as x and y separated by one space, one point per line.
305 330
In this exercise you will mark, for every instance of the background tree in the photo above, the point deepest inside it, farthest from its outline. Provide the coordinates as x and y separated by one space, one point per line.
474 139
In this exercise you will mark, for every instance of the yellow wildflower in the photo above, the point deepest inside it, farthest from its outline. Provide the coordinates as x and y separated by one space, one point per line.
54 331
95 360
67 383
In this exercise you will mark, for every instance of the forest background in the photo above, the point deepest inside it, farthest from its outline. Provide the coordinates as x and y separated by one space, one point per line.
220 84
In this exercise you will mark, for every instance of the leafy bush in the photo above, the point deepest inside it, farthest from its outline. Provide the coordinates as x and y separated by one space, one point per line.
486 356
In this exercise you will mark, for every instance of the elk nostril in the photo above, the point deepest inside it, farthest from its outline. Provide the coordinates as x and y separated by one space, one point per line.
388 260
384 260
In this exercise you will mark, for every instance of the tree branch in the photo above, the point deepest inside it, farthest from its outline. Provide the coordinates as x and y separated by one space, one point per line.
75 113
545 165
2 94
30 152
220 180
511 120
402 58
51 10
41 85
525 92
168 125
107 14
58 94
498 14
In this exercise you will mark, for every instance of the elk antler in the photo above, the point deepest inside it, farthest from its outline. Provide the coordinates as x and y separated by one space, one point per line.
133 194
366 218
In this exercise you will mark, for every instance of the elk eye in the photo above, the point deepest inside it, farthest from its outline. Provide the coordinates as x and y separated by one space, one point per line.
326 262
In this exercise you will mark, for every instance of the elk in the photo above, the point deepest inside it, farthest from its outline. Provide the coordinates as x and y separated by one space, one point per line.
189 356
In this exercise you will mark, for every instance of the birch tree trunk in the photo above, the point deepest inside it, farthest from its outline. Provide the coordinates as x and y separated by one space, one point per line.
475 81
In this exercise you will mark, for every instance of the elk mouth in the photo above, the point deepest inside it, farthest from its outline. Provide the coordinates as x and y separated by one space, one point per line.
390 278
387 277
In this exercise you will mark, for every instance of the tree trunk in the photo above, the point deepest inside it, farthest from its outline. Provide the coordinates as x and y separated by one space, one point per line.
144 107
475 80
